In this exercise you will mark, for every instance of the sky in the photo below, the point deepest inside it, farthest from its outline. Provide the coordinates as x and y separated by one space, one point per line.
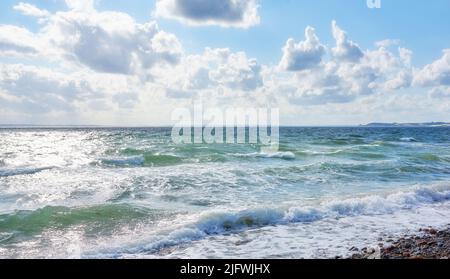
132 63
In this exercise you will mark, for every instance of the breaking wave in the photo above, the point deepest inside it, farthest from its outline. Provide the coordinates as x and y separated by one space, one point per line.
219 222
147 160
277 155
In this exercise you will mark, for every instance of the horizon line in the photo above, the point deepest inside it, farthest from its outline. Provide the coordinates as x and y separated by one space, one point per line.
2 126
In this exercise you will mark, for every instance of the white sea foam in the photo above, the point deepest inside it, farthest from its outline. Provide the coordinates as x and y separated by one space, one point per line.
186 229
219 221
331 152
325 238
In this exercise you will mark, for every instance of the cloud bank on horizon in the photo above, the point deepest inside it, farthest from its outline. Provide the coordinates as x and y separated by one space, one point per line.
83 65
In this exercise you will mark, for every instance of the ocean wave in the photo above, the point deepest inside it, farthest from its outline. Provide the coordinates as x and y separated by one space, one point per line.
321 153
340 141
124 162
35 221
6 172
431 157
192 228
146 160
131 151
219 222
159 160
277 155
408 139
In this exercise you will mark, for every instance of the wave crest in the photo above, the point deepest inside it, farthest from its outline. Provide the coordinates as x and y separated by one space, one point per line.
147 160
194 228
276 155
22 171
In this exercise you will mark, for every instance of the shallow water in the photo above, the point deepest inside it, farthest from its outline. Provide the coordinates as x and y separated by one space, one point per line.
133 193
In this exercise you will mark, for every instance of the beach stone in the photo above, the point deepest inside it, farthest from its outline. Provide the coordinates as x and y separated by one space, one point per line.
354 249
435 244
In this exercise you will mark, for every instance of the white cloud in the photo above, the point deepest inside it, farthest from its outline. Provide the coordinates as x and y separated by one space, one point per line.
81 5
213 71
436 73
320 79
109 42
34 89
236 71
387 43
31 10
405 55
225 13
97 64
17 41
104 67
303 55
345 49
320 86
393 71
440 93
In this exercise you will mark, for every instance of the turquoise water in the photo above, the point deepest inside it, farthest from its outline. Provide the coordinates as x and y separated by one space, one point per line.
114 193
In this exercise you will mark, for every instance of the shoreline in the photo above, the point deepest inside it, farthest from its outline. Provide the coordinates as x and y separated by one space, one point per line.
427 243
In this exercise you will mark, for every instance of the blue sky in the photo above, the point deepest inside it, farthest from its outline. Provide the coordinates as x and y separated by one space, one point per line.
420 25
261 65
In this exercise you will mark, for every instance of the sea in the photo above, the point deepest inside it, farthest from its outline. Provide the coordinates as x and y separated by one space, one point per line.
133 193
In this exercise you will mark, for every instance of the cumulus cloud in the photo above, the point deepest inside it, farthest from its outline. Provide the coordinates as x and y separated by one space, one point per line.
345 49
102 64
436 73
235 70
111 42
31 10
225 13
107 42
81 5
320 86
393 69
35 89
17 41
324 80
212 72
101 61
303 55
387 43
405 55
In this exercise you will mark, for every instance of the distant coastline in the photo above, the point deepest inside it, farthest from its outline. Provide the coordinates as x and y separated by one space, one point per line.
426 124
